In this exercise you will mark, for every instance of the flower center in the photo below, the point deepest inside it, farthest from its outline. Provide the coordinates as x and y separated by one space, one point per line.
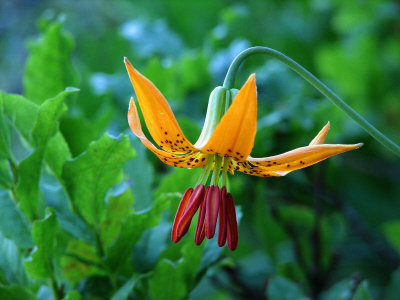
213 202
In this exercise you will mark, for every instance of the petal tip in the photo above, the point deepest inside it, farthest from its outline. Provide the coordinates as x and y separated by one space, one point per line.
252 77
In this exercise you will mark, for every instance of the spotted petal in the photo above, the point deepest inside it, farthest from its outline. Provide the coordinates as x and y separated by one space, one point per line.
190 160
234 135
299 158
157 114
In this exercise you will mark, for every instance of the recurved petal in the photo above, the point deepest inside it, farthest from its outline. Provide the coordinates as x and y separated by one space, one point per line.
320 138
157 114
234 135
299 158
189 161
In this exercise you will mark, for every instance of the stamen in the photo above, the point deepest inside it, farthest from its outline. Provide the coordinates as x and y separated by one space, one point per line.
191 208
206 170
222 221
200 228
212 206
232 233
217 170
179 213
225 170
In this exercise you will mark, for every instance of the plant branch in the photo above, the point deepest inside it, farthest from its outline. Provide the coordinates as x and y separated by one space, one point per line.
316 83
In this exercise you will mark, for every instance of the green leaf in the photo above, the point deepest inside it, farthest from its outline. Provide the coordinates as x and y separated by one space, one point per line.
5 175
11 262
73 295
57 152
141 171
4 134
126 289
339 291
391 230
44 129
15 292
20 112
190 264
89 176
48 70
167 283
281 289
119 205
132 228
19 232
80 262
40 264
178 180
362 292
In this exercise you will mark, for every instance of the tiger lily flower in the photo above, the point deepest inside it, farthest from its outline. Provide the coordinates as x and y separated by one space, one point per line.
223 146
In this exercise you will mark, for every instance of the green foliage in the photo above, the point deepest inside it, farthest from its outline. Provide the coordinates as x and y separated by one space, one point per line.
48 69
86 210
89 176
44 232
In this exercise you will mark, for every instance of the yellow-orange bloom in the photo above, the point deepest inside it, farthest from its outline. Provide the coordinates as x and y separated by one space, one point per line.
225 147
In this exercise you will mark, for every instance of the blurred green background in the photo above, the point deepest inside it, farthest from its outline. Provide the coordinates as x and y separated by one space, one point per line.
331 231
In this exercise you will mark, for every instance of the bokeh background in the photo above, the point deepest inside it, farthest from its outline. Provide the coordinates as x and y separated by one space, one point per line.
331 231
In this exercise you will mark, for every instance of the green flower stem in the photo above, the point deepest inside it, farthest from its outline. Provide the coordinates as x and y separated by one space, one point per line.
225 170
314 81
217 170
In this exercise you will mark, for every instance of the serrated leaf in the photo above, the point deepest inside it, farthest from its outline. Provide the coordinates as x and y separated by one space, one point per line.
132 228
15 292
48 70
167 283
44 129
40 264
19 232
126 289
280 288
89 176
11 262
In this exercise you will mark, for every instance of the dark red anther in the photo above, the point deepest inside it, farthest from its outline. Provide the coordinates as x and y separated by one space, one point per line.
222 220
232 232
190 210
212 205
179 213
200 228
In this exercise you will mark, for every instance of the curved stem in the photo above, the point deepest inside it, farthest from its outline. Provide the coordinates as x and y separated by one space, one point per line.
315 82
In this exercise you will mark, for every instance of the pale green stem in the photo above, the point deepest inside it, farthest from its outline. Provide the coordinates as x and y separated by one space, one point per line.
314 81
225 171
217 170
206 171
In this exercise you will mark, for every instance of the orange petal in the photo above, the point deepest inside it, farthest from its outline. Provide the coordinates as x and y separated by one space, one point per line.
250 169
320 138
300 158
234 135
191 160
157 114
